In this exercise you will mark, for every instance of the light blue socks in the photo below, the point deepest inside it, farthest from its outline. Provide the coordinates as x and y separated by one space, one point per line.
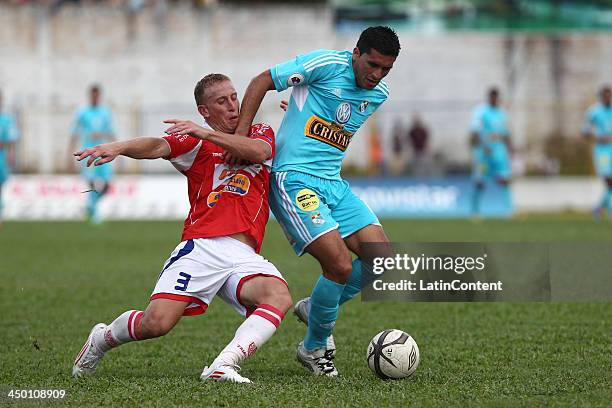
323 312
353 285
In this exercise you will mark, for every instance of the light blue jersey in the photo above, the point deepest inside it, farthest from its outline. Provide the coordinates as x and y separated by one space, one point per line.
93 125
491 154
325 110
599 122
8 134
487 121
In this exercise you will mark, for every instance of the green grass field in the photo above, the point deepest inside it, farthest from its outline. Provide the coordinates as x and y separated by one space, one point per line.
59 279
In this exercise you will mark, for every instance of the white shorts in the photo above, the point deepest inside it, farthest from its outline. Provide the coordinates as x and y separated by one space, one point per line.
198 269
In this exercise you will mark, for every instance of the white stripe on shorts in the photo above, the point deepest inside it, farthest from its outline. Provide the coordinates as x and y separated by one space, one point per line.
288 205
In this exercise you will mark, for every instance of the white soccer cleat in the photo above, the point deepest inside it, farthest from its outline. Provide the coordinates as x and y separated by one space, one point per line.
90 355
320 361
223 373
302 310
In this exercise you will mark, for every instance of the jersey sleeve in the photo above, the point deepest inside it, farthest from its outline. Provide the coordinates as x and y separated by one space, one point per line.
306 68
589 122
476 121
263 132
180 145
12 131
504 131
109 127
76 124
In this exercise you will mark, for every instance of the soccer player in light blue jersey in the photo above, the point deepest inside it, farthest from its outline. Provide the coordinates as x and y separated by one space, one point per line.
333 94
93 125
491 148
598 127
8 137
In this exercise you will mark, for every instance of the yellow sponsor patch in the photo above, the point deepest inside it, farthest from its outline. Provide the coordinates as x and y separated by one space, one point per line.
307 200
331 133
238 184
212 198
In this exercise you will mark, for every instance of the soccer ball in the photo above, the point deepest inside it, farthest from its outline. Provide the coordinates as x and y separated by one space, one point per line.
393 354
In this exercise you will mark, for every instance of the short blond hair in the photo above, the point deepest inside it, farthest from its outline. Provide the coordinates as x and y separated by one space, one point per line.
203 84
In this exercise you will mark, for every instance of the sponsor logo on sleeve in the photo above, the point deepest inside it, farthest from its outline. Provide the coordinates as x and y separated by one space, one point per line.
307 200
295 79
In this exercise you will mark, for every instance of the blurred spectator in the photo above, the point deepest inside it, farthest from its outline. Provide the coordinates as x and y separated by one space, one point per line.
418 136
8 137
598 129
397 164
376 164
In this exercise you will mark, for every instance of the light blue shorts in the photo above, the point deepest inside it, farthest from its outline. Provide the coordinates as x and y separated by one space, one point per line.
96 173
492 166
602 157
307 207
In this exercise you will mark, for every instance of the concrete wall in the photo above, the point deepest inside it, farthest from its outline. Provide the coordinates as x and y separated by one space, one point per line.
148 73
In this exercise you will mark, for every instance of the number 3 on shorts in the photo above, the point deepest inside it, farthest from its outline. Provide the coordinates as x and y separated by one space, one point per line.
182 283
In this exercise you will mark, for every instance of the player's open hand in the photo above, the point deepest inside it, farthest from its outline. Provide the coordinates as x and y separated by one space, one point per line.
284 105
98 155
186 127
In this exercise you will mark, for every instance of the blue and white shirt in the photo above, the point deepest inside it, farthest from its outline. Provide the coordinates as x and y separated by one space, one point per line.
92 120
8 134
599 120
325 110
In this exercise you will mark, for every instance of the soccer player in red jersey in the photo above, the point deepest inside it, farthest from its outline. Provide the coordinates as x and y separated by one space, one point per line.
219 252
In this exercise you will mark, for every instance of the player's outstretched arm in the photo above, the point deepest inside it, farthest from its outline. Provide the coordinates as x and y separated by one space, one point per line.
139 148
474 139
244 148
255 92
509 144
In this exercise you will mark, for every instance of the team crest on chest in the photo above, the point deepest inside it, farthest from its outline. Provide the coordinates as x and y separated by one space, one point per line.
363 106
343 113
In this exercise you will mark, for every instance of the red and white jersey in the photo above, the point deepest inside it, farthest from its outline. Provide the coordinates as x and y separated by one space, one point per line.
224 200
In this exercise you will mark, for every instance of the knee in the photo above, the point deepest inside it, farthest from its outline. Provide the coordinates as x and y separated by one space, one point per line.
340 270
154 325
283 300
276 294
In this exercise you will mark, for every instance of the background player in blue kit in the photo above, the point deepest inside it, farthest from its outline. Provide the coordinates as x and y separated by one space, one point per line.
8 137
491 148
598 127
334 92
93 125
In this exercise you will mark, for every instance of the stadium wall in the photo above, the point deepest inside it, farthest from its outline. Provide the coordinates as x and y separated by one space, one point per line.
165 197
148 68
